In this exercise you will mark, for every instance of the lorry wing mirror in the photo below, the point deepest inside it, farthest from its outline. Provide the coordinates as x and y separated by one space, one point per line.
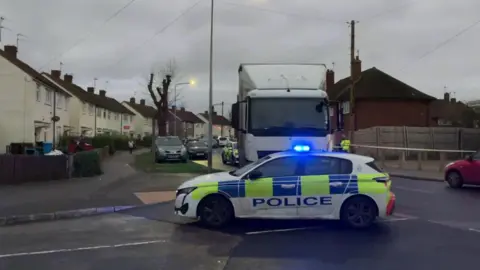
236 116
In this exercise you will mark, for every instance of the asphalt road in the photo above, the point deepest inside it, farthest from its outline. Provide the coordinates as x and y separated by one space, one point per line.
434 228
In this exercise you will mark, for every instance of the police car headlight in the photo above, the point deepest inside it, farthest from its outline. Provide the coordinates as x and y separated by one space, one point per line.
185 190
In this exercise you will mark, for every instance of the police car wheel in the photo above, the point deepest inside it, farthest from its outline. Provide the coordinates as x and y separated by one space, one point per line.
215 211
358 212
223 159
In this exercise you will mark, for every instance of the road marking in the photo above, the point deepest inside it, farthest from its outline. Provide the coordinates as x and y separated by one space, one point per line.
283 230
64 250
474 230
400 215
414 190
395 219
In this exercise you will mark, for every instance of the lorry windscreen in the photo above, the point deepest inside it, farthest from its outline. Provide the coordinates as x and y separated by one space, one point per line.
287 117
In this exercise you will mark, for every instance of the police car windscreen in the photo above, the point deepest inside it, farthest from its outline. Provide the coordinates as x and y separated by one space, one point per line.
287 117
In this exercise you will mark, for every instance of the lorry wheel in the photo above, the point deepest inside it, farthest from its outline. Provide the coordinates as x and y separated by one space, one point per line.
215 211
358 212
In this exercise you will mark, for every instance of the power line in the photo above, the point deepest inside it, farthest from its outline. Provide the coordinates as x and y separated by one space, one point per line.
280 12
443 43
163 29
82 40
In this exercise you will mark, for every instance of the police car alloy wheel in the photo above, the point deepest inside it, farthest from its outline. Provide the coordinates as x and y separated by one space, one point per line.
358 212
454 179
215 211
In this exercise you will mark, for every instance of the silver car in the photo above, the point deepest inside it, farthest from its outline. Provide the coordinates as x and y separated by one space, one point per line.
170 148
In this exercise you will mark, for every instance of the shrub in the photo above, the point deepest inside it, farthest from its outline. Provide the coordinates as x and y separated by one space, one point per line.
86 164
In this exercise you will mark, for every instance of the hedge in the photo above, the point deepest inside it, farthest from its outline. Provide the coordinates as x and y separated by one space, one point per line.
87 164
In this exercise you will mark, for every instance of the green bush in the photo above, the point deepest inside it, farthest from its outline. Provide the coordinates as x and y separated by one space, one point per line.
145 142
86 164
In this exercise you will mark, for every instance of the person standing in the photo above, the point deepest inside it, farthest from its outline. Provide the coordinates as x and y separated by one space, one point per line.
345 144
131 145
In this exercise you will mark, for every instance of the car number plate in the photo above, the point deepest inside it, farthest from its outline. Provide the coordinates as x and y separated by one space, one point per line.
200 154
173 156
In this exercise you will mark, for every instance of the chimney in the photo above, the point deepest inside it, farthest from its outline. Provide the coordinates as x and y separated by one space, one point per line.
102 93
174 108
132 100
329 80
90 90
453 100
11 51
68 78
182 109
56 73
446 96
214 113
206 113
356 68
142 101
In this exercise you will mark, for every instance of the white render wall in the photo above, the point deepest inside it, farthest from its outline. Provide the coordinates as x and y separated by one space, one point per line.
19 108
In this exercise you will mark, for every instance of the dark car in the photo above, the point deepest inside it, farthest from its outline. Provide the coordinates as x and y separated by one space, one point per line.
170 148
197 149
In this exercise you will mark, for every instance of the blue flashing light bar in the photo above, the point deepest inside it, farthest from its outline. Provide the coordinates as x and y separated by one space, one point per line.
301 148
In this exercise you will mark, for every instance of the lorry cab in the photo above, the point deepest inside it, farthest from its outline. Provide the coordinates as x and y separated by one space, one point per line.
273 114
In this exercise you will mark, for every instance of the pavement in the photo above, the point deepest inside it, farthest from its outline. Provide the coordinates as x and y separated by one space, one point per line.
435 227
120 185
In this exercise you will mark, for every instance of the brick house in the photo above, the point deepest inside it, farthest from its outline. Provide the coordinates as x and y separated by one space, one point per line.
448 112
221 125
185 125
380 100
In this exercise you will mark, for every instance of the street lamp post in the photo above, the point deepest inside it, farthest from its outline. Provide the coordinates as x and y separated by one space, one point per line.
175 104
210 93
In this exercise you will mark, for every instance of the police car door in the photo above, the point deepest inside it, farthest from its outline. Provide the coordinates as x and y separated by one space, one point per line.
323 184
273 194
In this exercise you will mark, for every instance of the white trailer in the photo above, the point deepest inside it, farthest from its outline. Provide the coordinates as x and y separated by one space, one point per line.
280 106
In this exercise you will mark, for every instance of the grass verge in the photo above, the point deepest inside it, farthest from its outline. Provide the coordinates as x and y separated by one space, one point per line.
145 162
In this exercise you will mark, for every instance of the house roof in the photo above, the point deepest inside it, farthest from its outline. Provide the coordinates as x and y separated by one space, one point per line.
186 116
30 71
450 110
218 120
97 100
376 84
144 110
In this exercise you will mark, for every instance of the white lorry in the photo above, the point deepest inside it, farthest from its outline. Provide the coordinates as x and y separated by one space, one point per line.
278 107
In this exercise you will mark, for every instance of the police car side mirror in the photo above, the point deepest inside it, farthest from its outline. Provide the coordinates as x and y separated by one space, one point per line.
254 175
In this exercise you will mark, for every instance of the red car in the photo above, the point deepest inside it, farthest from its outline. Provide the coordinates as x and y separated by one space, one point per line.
77 145
466 171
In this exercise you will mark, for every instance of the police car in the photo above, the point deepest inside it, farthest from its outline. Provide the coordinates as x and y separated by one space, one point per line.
297 184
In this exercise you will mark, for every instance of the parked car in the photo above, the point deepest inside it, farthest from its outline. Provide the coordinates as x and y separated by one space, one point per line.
465 171
170 148
222 141
197 149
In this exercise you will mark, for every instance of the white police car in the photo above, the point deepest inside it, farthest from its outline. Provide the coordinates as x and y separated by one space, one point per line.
299 184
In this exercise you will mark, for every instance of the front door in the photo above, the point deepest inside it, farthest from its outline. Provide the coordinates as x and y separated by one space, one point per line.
273 195
324 183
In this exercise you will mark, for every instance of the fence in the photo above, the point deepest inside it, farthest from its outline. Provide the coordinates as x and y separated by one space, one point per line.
18 169
458 139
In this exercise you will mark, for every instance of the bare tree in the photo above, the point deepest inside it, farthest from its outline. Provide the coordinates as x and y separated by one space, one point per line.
160 93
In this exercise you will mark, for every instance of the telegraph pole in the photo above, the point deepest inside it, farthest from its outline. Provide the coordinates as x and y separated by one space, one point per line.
352 78
221 127
1 27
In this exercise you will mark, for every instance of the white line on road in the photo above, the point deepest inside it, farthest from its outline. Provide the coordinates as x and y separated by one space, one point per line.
63 250
414 190
284 230
394 219
474 230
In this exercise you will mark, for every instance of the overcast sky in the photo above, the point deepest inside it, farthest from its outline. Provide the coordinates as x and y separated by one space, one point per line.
399 37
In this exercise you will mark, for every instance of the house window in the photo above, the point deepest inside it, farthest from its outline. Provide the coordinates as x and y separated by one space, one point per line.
116 116
146 121
346 107
39 93
131 118
125 117
104 114
90 109
84 107
48 97
99 112
444 122
59 100
109 115
67 101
